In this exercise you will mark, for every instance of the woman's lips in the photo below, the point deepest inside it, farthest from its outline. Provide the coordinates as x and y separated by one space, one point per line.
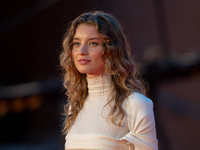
83 61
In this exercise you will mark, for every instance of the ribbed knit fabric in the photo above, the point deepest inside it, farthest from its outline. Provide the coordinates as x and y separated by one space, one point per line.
92 131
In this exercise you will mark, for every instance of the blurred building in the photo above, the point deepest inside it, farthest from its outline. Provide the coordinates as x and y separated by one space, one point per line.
164 37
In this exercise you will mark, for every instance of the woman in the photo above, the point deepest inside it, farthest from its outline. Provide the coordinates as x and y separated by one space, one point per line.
106 106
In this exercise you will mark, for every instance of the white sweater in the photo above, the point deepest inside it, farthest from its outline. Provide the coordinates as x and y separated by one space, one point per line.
92 131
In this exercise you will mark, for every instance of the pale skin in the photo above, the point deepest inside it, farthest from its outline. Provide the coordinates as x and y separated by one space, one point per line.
87 51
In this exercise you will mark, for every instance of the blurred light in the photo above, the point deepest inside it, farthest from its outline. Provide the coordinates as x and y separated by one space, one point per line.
21 90
4 108
33 103
18 105
30 89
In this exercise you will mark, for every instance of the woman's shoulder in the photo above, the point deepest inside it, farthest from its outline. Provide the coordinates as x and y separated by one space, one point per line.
139 100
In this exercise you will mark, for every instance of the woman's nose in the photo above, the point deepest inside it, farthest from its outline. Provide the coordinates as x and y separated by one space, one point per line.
83 50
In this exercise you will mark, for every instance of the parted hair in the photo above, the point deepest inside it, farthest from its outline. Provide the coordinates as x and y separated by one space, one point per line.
118 63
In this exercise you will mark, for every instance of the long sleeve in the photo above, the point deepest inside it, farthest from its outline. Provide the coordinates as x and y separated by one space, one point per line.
141 123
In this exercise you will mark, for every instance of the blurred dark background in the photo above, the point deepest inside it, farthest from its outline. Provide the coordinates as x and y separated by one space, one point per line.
165 39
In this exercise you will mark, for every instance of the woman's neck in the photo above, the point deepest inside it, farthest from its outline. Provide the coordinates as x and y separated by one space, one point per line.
99 84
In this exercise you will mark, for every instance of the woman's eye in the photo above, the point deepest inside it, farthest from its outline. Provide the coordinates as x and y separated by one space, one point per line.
93 43
76 44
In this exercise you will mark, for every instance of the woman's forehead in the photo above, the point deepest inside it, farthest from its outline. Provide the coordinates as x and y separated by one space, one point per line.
86 30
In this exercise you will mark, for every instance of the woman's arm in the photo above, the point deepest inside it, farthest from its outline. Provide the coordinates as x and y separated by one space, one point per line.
141 123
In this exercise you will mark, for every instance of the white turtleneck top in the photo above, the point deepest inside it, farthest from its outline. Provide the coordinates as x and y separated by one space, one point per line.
92 131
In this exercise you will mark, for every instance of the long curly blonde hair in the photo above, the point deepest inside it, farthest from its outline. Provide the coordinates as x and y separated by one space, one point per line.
118 63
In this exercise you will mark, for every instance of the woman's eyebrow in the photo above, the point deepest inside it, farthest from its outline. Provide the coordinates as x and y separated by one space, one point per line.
75 38
93 38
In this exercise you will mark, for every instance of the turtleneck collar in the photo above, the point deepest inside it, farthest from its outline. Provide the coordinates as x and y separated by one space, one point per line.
99 85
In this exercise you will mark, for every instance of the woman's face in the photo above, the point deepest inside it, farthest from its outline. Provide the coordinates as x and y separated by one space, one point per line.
87 51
